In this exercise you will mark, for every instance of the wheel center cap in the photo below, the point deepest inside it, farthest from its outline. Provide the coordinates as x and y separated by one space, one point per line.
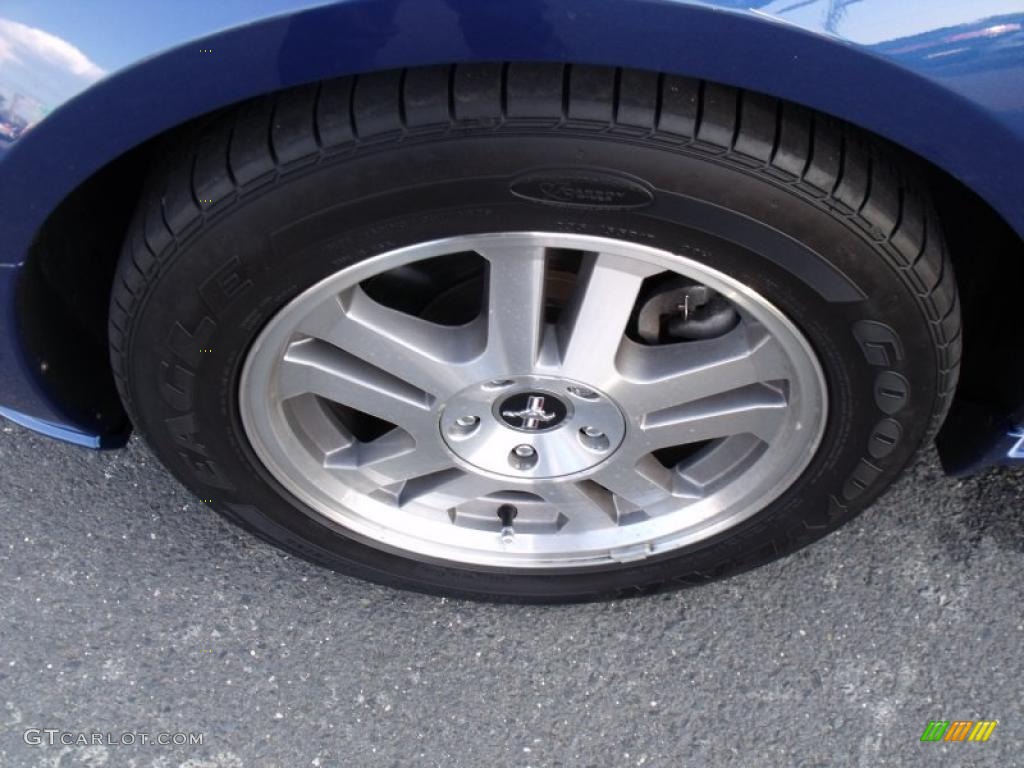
533 411
532 427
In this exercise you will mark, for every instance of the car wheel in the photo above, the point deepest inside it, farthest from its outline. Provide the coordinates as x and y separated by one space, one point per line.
534 332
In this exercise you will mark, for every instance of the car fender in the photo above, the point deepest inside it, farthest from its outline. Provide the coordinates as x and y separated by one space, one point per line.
945 81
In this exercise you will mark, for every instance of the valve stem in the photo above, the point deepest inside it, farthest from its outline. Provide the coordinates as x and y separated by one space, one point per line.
507 513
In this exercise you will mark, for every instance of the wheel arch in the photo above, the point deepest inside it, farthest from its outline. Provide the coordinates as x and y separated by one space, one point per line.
84 173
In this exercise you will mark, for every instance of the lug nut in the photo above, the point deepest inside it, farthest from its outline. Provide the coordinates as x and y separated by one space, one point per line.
583 392
522 457
594 439
463 427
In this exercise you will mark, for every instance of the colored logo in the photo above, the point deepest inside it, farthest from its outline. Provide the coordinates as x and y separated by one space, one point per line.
958 730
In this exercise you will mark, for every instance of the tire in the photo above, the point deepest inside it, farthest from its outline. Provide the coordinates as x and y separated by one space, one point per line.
257 204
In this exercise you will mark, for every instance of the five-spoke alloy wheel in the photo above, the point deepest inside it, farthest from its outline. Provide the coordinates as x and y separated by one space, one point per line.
608 448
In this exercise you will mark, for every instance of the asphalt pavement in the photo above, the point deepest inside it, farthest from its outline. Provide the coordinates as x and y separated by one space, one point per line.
128 607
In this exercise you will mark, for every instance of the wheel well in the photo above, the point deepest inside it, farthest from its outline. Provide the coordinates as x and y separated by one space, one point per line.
988 257
64 291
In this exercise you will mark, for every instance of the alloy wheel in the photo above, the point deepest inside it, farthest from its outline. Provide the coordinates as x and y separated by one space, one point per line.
532 400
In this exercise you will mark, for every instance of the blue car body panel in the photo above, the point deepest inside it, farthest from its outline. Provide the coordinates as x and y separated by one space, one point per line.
82 84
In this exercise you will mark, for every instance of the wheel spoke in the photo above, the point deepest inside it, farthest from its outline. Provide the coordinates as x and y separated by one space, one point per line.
657 377
640 485
585 506
430 356
414 463
449 488
515 306
313 366
392 458
758 410
593 324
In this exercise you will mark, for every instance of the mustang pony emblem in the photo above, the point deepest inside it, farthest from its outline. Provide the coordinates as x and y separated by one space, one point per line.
533 415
